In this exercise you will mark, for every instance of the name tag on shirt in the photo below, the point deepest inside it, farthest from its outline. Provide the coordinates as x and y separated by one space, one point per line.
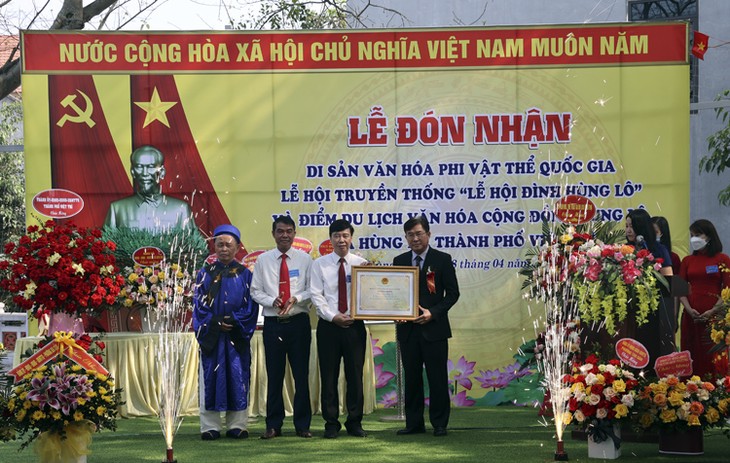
712 269
294 273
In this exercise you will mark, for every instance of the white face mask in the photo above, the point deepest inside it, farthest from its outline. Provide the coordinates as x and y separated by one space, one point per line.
697 243
659 238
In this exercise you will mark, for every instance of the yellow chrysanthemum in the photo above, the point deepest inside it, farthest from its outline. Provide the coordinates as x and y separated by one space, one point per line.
100 410
78 415
717 336
37 415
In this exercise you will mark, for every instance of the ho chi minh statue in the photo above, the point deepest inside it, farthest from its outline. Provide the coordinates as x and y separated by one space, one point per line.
148 209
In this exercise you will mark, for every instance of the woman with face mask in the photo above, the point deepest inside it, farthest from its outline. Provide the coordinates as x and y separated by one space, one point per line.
703 269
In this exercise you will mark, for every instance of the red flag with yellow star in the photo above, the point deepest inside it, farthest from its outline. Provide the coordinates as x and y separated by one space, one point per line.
699 46
159 119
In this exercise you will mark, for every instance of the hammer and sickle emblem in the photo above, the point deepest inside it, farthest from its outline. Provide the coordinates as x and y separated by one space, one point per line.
81 115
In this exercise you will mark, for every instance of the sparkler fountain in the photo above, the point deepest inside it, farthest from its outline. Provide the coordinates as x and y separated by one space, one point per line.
560 312
169 320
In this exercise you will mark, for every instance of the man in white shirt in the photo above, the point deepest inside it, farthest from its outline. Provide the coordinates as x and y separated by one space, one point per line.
339 337
280 285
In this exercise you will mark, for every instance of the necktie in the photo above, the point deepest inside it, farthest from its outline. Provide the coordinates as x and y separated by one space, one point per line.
284 291
342 288
419 259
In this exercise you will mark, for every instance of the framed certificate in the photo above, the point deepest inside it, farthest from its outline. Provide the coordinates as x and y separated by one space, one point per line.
384 293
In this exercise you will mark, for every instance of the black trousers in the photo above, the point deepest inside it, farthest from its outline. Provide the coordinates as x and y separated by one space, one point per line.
335 344
292 338
416 352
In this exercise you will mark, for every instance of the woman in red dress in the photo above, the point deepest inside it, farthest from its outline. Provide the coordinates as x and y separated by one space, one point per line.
707 271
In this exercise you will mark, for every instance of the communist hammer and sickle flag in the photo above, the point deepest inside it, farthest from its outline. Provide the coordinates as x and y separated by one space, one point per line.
79 116
84 157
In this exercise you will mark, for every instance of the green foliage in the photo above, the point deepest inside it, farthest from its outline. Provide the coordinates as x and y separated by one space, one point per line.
527 391
186 247
298 14
718 144
12 168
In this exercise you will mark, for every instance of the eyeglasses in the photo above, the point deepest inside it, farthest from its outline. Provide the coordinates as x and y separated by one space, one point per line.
419 235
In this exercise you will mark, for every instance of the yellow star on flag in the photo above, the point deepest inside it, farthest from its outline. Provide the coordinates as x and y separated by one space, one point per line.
156 109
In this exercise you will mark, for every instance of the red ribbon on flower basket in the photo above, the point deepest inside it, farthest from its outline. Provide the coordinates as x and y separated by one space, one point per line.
62 344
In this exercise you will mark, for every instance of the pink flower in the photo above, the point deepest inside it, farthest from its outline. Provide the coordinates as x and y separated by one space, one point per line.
376 350
493 379
382 377
593 272
461 400
462 371
389 399
629 272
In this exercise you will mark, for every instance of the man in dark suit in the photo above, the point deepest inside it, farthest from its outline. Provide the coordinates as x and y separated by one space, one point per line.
425 340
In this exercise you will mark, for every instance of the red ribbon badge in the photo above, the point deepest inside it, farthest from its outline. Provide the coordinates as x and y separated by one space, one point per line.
431 281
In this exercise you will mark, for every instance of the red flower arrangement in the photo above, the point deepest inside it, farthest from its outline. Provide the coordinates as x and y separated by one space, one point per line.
61 268
600 394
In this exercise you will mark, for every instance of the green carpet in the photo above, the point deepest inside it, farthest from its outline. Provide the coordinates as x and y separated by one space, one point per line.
485 434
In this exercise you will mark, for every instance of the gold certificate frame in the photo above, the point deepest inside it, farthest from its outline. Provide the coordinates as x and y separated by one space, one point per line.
384 293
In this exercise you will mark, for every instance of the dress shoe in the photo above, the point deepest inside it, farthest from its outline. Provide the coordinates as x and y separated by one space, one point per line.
271 433
305 434
408 431
357 432
439 431
330 434
210 435
236 433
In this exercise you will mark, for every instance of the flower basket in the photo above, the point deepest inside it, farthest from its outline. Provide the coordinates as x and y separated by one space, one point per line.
687 442
600 398
57 268
57 402
71 445
608 448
